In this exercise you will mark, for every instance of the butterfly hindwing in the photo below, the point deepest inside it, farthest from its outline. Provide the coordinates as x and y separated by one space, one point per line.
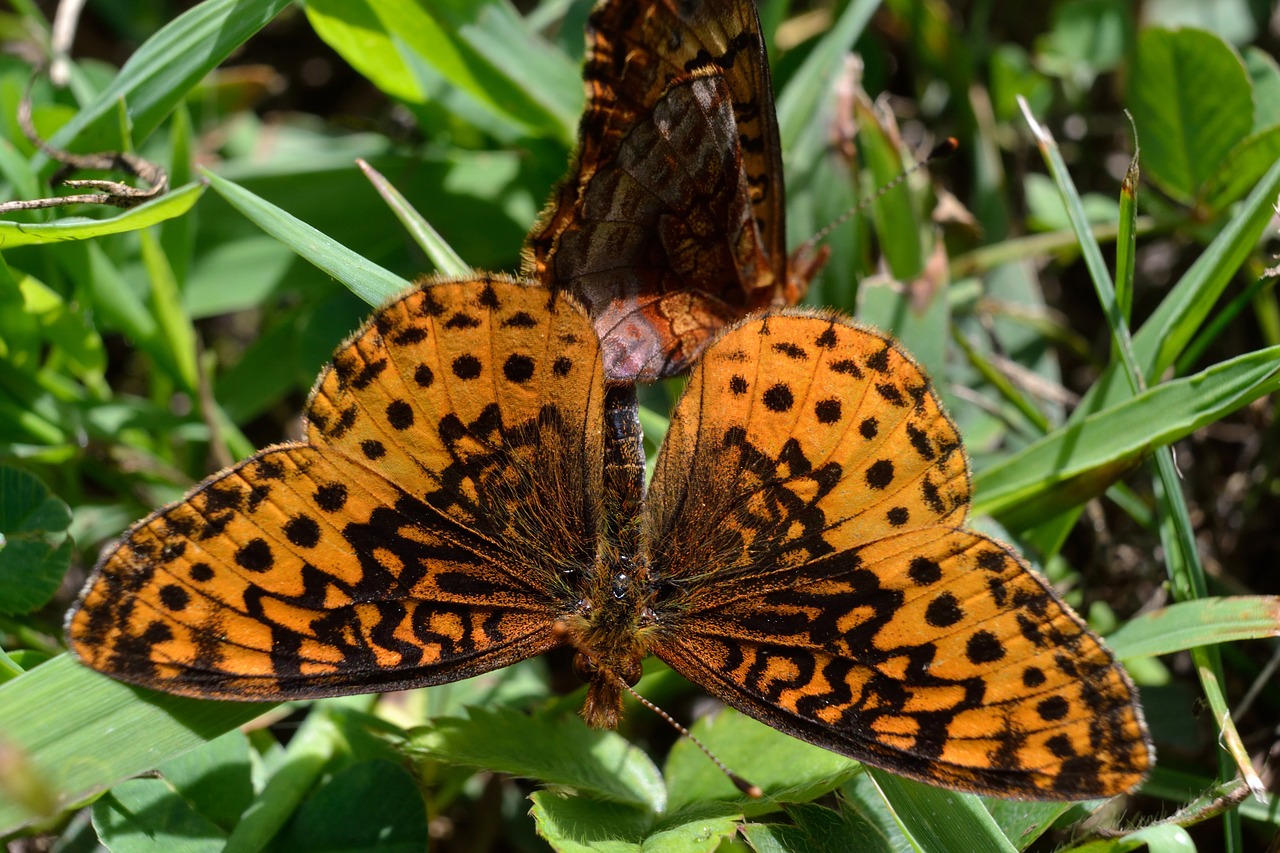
805 533
404 544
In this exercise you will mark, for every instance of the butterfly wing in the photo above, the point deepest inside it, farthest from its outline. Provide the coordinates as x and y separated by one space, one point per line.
811 569
670 223
423 533
665 248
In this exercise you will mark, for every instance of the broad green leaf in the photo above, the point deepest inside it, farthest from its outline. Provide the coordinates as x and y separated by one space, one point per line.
1192 102
168 206
372 805
1204 622
102 732
1264 71
553 748
816 829
1241 169
35 549
786 769
149 816
937 819
214 779
572 824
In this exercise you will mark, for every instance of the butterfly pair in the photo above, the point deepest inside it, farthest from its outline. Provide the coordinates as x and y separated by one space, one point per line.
468 493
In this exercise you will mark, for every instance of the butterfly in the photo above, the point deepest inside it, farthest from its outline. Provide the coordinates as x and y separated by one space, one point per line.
470 494
671 223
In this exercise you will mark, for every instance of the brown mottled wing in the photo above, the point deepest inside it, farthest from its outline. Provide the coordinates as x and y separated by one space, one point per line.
811 569
420 535
670 224
657 253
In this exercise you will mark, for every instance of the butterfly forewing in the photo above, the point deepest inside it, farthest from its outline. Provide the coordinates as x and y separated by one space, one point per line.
665 248
411 541
798 435
670 224
805 542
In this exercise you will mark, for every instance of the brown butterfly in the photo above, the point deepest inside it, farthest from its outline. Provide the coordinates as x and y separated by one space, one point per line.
671 223
469 494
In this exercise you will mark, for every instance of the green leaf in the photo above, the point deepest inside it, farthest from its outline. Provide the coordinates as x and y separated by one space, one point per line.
788 770
1080 460
163 71
168 206
149 816
35 550
364 278
815 829
367 806
1192 102
103 731
577 824
1203 622
469 44
309 752
937 819
1242 168
554 748
215 779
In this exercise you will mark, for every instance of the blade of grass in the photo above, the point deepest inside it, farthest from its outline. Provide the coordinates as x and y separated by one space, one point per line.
936 819
163 71
1184 566
1086 457
372 283
428 238
1203 622
103 731
168 206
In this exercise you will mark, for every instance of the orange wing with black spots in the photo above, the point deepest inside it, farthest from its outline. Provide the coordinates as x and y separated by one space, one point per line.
424 532
671 222
811 568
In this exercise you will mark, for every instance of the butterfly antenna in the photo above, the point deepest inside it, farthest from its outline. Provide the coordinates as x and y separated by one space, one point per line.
940 151
752 791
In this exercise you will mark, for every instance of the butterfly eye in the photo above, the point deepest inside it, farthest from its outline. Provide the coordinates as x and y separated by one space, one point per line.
633 673
584 667
621 584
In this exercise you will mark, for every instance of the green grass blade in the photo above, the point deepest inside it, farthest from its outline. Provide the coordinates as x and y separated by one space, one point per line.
364 278
1188 624
164 70
102 732
1082 459
168 206
427 237
937 819
799 101
1174 322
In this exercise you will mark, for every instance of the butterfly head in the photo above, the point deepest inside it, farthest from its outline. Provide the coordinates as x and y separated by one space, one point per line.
609 631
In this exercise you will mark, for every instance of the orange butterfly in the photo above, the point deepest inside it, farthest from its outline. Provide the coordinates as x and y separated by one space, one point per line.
469 495
671 224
